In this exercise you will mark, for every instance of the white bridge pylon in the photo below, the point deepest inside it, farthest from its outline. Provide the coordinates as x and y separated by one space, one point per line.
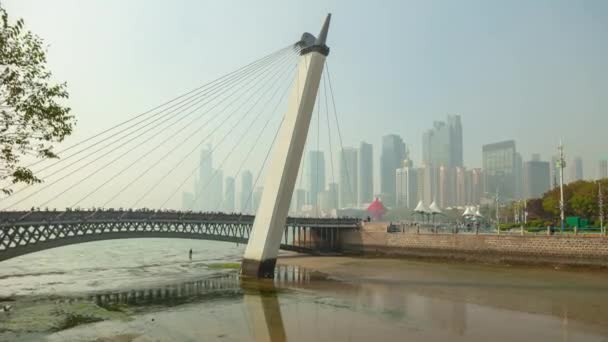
263 246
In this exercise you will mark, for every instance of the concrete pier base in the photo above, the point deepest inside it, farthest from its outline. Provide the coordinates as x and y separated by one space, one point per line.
258 269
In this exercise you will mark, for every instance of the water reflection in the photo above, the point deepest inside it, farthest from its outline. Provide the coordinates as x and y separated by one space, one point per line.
300 305
264 311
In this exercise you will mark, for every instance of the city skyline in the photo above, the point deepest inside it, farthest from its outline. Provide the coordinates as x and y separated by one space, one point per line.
529 94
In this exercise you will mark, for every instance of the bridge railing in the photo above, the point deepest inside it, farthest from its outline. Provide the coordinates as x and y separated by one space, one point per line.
8 217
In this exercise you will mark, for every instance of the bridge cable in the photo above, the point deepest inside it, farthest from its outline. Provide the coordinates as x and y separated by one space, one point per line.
106 165
274 54
234 147
215 147
132 139
167 153
264 163
331 91
194 170
196 99
331 154
255 143
318 187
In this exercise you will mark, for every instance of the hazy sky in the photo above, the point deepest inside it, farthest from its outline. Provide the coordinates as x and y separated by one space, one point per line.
533 71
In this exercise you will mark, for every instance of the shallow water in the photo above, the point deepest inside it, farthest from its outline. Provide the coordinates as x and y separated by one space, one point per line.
163 296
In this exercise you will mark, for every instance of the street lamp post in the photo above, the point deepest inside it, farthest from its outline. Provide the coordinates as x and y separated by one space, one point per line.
497 213
601 207
561 164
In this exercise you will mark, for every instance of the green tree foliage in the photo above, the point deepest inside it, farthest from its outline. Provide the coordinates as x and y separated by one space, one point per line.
32 118
535 209
581 199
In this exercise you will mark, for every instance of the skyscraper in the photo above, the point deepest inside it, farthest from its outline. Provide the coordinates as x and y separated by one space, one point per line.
426 177
446 186
576 169
348 177
442 144
407 185
456 150
393 154
537 178
436 145
215 192
475 180
298 200
316 175
499 169
256 198
519 176
205 174
246 191
328 199
603 169
229 196
366 173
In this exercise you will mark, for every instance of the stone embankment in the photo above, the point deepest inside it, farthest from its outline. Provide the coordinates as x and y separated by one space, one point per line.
572 250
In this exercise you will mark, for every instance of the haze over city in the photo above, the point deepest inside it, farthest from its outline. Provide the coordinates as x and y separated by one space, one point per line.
276 171
531 72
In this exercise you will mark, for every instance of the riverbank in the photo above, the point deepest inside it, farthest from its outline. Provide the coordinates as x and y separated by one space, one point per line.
574 295
561 251
149 290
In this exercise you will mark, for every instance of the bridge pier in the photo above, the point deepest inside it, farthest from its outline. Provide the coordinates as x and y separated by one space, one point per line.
263 247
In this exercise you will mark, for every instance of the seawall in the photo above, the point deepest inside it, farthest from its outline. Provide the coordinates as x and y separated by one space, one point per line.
372 239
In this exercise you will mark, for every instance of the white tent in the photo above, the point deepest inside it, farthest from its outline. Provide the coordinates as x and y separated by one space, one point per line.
434 208
477 213
468 211
421 209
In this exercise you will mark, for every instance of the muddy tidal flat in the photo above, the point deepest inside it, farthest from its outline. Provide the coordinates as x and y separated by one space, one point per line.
149 290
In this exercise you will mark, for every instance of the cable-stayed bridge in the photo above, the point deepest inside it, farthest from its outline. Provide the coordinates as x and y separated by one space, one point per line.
147 160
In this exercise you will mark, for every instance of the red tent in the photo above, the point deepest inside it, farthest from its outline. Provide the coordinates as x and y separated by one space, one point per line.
376 209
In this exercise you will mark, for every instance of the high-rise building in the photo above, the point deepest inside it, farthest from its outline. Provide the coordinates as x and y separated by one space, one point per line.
537 178
333 196
229 195
393 153
519 176
366 173
205 175
446 186
462 186
257 198
246 191
328 199
348 177
475 185
407 185
603 169
427 184
442 144
456 149
316 175
576 169
499 169
298 201
215 192
436 145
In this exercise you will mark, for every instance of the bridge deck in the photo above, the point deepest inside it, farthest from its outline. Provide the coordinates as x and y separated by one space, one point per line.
27 232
